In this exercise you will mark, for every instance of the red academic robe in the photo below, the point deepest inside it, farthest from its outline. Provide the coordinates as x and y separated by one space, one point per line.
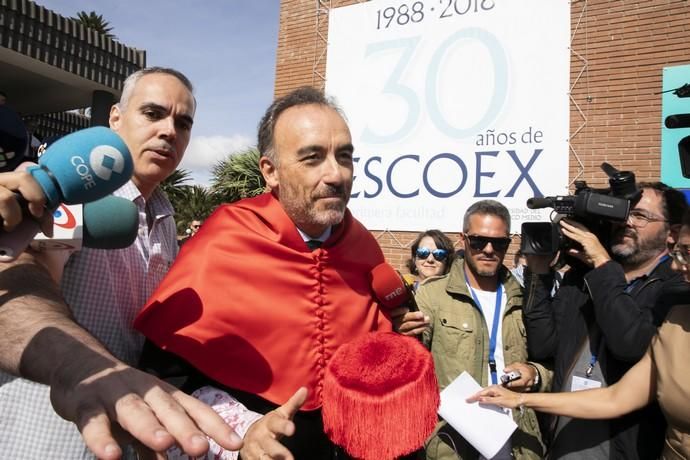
250 306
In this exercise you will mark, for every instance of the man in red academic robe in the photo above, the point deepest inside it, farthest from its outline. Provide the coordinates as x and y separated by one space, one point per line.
260 299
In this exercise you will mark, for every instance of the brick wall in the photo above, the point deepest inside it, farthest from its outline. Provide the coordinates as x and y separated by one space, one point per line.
615 115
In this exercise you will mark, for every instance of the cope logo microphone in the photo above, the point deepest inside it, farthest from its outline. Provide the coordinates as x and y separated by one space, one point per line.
83 167
104 159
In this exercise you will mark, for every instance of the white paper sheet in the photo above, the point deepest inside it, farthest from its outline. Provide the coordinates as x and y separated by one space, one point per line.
487 428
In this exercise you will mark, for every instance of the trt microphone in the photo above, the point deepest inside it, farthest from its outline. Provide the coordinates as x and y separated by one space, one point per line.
390 288
83 166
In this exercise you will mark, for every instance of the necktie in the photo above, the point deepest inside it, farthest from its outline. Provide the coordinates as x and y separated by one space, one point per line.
314 244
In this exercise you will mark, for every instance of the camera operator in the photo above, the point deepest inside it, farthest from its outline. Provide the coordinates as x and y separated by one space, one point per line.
602 319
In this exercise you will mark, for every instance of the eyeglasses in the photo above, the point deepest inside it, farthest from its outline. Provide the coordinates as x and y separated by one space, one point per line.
439 254
640 219
681 254
479 242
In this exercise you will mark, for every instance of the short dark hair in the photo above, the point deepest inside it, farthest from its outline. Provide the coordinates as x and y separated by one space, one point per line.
673 201
441 241
302 96
484 207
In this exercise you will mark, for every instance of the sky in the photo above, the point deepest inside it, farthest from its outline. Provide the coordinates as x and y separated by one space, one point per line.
227 48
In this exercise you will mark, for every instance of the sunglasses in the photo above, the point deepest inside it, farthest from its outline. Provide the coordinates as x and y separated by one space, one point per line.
479 242
439 254
681 254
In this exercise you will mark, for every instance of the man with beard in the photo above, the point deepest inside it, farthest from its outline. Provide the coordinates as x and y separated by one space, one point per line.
602 319
261 298
471 321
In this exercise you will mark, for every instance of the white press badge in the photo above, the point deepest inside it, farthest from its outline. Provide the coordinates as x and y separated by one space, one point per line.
583 383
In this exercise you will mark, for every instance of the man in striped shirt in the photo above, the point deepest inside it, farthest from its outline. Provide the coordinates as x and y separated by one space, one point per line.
104 290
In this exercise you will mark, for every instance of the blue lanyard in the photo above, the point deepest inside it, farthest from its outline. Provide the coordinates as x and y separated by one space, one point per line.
494 329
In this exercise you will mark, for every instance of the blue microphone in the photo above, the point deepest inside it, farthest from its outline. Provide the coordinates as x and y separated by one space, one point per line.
79 168
83 167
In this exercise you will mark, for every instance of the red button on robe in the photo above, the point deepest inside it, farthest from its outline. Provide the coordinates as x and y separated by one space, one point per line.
250 306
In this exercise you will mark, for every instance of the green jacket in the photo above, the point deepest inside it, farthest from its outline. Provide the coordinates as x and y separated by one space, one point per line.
459 341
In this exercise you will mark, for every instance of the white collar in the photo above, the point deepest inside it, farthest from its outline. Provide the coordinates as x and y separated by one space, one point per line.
323 237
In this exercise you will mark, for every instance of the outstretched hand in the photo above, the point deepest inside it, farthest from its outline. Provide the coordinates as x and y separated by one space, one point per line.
498 396
120 399
262 440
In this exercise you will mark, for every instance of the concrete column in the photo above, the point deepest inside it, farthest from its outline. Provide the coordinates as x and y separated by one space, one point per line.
101 101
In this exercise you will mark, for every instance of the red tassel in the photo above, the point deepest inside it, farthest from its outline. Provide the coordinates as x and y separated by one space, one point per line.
380 396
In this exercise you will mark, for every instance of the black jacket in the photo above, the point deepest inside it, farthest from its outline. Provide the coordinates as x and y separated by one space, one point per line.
627 317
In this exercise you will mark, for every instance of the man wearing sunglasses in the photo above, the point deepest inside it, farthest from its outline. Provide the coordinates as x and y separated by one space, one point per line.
471 321
602 319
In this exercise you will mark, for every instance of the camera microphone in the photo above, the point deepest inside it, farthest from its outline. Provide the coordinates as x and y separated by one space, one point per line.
540 203
681 120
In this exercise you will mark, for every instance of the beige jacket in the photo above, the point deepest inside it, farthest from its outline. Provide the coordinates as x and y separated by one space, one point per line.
459 341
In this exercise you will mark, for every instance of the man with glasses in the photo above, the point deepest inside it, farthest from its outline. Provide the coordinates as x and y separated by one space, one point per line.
471 321
602 319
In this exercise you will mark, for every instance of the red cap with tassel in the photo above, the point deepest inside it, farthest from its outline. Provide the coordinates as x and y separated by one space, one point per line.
380 396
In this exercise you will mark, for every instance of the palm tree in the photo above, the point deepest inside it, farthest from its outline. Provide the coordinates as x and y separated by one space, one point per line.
196 203
238 176
174 186
96 22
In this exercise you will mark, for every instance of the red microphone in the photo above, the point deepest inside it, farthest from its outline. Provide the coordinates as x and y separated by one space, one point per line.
390 288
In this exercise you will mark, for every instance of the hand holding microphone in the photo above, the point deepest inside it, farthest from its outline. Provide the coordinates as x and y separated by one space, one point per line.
395 294
79 168
32 196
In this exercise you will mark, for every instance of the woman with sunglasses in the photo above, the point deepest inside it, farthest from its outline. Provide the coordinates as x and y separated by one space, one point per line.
432 255
662 374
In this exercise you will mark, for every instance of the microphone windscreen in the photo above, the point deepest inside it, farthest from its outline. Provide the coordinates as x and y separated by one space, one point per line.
13 139
83 166
388 287
110 223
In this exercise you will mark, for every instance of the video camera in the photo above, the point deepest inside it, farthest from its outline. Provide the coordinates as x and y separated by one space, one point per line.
594 208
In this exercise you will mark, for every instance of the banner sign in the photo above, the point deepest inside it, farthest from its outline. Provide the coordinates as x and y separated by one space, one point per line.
450 102
675 122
